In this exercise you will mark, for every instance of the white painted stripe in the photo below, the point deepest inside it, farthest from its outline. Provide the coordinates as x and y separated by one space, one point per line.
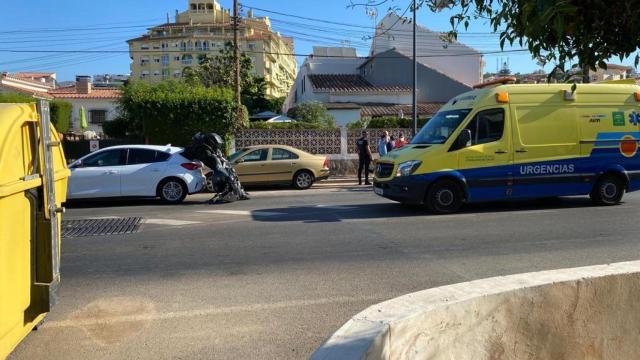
210 311
242 212
172 222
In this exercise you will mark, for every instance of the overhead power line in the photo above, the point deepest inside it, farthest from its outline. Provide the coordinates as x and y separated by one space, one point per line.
333 22
255 52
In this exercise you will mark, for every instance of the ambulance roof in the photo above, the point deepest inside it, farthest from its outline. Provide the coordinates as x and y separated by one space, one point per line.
547 94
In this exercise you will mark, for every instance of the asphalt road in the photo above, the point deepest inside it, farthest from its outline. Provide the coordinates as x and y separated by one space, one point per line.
272 277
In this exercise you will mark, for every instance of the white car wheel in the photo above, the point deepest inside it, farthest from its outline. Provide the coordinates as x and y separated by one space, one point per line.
172 191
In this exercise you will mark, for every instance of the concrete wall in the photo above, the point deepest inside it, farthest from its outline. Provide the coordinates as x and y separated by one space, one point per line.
461 62
91 104
391 68
318 65
583 313
344 116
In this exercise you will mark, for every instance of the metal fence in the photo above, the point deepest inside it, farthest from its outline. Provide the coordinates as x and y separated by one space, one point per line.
337 142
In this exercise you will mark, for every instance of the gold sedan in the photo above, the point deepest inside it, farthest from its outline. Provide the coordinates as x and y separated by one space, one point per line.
278 164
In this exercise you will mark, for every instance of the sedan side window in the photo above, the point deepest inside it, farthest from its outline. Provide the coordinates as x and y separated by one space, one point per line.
282 154
145 156
256 155
106 158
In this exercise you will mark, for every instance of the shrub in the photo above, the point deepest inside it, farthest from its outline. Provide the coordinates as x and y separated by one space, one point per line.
15 98
171 112
117 128
313 112
292 125
359 124
61 115
386 122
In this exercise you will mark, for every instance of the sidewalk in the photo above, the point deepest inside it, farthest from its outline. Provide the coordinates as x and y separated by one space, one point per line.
336 181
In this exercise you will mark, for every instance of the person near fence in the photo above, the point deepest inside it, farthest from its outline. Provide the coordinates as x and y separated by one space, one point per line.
364 158
401 141
391 145
382 143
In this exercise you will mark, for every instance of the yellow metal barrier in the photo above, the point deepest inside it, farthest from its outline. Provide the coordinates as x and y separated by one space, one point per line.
33 181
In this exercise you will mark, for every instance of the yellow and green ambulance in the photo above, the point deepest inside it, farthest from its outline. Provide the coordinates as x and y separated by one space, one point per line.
508 141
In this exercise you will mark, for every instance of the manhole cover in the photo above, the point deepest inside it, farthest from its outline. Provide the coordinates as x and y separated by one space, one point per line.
92 227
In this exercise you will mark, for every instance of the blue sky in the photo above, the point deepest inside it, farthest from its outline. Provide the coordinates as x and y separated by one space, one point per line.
29 28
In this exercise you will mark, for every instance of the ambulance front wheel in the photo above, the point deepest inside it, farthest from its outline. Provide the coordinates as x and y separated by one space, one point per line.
608 190
444 197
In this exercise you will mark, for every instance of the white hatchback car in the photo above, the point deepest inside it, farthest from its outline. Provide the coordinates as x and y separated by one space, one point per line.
135 171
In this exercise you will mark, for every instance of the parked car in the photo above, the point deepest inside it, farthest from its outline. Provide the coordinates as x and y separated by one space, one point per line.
135 171
277 164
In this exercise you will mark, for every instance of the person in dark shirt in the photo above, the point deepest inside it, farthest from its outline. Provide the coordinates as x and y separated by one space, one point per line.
364 158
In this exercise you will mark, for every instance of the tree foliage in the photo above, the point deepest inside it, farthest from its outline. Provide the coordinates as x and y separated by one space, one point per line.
171 112
313 112
556 31
219 71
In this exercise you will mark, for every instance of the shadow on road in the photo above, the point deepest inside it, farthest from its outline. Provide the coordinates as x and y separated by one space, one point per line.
337 213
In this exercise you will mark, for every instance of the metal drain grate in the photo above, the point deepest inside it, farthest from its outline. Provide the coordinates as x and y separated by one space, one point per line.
93 227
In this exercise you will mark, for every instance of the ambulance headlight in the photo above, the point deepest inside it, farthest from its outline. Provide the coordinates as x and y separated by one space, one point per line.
408 167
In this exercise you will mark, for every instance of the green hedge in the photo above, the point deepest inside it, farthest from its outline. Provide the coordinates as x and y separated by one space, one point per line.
292 125
7 98
171 112
117 128
390 122
61 115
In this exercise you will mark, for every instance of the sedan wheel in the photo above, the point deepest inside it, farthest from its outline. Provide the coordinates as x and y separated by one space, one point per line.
303 180
172 191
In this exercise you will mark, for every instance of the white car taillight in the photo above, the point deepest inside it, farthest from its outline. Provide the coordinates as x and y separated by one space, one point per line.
191 166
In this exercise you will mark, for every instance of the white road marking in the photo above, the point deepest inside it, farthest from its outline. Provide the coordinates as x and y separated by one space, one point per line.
210 311
172 222
242 212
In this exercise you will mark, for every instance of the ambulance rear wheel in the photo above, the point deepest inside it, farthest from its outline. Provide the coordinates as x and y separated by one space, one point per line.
608 191
444 197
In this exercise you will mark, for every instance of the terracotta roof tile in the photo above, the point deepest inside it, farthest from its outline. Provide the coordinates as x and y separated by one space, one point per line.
350 83
25 91
374 109
26 79
70 92
30 75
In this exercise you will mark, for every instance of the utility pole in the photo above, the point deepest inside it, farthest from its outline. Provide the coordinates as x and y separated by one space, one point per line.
236 53
415 75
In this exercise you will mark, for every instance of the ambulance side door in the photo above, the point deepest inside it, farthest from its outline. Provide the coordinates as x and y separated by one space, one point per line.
487 161
546 145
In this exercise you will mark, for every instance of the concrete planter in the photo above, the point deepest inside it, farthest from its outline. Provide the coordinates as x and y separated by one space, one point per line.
581 313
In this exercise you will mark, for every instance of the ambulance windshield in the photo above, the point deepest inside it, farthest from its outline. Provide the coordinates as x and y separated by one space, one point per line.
440 127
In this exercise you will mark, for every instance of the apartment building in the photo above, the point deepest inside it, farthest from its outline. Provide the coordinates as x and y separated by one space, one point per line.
167 49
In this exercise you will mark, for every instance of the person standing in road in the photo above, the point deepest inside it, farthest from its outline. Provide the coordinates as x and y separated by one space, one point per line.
382 144
364 158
